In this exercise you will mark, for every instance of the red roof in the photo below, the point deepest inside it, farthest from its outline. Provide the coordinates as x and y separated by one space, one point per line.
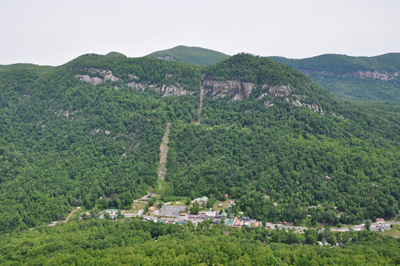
237 222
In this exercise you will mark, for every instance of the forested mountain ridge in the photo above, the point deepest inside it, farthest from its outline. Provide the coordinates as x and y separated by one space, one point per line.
88 133
190 55
353 78
345 65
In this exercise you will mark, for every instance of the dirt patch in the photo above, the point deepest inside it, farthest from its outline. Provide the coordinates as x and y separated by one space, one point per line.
162 169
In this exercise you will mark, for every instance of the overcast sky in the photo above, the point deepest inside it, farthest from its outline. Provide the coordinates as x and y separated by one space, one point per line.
52 32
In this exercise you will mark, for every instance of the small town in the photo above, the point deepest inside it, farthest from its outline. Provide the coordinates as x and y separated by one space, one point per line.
171 214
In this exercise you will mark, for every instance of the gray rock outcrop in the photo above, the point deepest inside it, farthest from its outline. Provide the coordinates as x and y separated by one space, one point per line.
136 85
167 57
86 78
172 90
280 90
175 91
222 89
107 75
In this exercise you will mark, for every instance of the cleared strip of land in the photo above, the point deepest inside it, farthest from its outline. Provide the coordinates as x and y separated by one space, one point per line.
162 167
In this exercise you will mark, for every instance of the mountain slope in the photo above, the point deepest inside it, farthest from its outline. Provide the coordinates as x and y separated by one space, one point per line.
353 78
88 134
190 55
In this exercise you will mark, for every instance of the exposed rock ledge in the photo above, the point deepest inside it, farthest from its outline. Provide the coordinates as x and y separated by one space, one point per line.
383 75
107 74
284 91
171 90
221 89
167 57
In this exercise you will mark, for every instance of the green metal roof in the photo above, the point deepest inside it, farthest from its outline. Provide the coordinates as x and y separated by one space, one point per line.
229 221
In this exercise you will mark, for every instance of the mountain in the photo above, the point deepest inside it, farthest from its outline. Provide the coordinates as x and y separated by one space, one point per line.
362 79
115 54
88 134
191 55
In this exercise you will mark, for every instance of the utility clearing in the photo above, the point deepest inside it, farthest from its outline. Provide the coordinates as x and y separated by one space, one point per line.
162 167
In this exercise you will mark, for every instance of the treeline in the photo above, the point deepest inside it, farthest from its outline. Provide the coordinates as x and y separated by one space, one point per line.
102 242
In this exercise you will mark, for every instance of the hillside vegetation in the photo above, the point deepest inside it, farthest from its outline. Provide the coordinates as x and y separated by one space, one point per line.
266 134
338 73
191 55
97 242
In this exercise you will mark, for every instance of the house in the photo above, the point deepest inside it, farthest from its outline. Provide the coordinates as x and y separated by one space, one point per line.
245 218
220 205
152 208
211 214
78 208
203 199
255 224
112 212
182 214
240 213
224 214
380 220
231 215
229 222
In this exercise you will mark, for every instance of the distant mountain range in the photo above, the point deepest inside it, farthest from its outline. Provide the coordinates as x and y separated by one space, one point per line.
362 79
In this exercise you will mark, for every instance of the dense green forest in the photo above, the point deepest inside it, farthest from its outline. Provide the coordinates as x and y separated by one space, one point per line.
191 55
102 242
284 152
66 143
342 64
360 90
330 72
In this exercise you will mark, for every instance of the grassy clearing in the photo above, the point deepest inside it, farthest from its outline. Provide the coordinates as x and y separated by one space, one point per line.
135 207
225 205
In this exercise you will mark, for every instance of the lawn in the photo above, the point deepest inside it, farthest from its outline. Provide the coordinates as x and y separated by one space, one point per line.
225 205
135 207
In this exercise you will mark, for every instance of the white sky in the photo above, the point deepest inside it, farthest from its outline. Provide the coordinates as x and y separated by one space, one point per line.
52 32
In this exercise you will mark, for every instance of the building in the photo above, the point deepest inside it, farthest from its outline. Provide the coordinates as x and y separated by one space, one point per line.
220 205
211 214
112 212
203 199
229 222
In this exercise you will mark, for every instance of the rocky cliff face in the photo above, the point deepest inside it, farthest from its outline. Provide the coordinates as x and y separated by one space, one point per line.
107 76
167 57
172 90
383 75
222 89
